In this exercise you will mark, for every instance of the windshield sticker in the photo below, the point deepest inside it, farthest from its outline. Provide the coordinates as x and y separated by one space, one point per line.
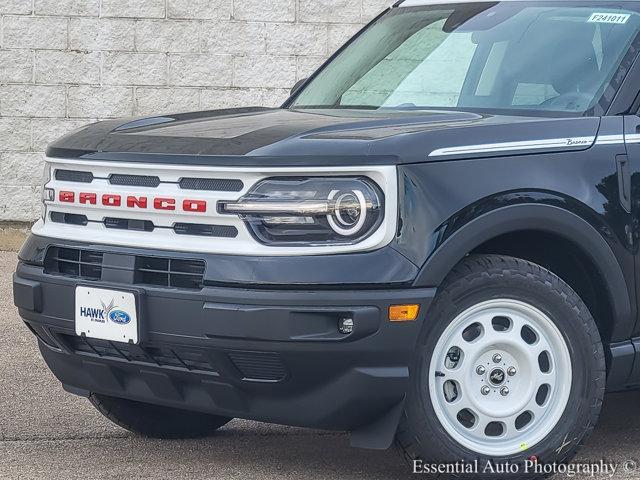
617 18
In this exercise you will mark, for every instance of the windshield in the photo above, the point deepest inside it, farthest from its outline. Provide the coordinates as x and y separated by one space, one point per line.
560 56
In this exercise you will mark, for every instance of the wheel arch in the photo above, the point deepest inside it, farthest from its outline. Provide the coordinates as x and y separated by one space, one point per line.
482 235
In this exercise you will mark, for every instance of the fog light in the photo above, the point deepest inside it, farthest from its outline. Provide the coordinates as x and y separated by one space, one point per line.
345 326
403 313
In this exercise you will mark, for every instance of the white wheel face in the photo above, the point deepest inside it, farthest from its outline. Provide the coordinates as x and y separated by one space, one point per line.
500 377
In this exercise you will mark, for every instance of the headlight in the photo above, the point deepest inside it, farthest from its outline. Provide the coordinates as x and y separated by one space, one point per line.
310 211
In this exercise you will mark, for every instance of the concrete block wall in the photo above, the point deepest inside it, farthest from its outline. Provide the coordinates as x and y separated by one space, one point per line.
65 63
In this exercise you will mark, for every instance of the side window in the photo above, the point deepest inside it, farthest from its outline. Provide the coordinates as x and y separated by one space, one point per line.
427 69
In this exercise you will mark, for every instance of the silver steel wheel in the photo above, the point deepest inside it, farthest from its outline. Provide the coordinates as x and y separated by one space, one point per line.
500 377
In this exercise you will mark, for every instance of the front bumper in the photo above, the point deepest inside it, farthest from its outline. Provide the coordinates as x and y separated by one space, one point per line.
270 355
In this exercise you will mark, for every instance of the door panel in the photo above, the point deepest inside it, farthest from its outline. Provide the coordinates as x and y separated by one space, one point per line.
629 178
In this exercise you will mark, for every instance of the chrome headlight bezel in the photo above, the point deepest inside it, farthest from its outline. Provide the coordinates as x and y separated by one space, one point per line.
310 210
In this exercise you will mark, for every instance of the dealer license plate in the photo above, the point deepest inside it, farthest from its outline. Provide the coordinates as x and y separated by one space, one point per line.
106 314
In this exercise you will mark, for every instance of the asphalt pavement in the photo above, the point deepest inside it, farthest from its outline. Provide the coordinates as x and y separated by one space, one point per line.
46 433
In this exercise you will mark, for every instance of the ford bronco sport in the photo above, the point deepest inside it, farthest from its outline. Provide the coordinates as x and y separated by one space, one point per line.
432 243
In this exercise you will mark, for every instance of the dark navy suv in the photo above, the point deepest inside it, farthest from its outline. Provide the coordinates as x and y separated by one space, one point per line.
432 243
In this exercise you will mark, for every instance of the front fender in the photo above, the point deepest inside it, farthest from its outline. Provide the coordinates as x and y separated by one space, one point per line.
541 217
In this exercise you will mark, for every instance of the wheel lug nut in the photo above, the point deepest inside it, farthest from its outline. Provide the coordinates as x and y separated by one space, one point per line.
480 370
511 371
485 390
504 391
497 358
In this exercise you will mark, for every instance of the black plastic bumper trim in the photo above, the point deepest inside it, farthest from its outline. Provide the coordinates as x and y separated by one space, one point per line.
276 355
380 269
27 294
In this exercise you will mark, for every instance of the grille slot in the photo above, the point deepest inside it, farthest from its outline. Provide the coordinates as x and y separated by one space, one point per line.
184 358
155 271
74 176
129 224
134 180
170 272
212 184
72 262
259 366
201 230
69 218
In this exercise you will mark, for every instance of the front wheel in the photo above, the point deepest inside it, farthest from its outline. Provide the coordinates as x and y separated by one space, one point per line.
509 368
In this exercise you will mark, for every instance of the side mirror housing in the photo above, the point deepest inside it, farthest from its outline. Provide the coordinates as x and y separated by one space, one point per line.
298 84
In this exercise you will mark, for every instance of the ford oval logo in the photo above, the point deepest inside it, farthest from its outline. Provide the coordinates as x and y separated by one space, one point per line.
120 317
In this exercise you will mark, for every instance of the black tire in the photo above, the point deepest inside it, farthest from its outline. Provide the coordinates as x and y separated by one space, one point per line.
476 279
155 421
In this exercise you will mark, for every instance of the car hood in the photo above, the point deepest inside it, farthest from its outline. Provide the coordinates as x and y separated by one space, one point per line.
260 136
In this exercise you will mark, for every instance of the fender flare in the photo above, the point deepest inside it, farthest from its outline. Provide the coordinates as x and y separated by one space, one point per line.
540 217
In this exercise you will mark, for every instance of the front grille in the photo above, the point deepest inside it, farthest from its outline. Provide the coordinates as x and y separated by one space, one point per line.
170 272
193 229
71 262
74 176
184 358
149 207
134 180
249 366
129 224
154 271
69 218
199 230
211 184
259 366
153 181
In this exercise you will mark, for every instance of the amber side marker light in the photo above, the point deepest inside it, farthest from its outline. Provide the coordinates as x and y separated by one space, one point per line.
403 313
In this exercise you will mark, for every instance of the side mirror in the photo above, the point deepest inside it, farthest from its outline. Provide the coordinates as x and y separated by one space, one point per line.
297 86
